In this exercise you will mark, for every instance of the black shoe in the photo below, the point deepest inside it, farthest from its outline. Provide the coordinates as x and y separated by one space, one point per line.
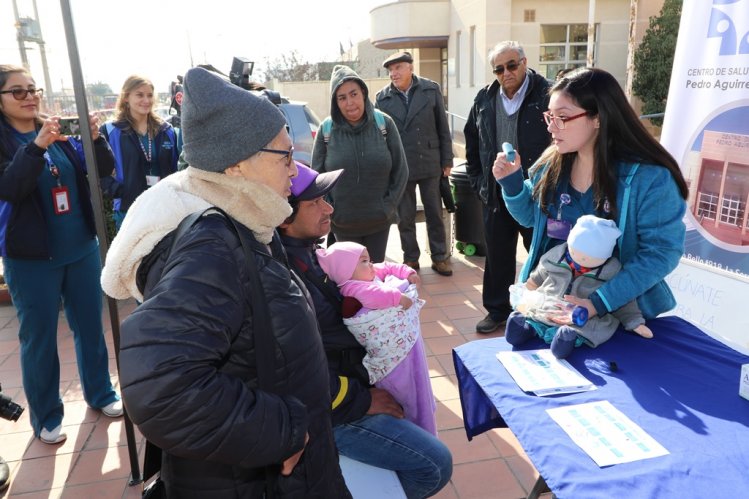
488 324
4 475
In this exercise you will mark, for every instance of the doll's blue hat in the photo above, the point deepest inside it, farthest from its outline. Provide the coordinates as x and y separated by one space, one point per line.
593 236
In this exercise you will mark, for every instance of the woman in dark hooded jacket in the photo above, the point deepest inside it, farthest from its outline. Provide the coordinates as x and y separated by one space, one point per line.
366 144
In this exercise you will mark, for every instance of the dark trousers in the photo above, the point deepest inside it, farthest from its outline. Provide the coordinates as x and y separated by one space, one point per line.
501 251
376 244
429 190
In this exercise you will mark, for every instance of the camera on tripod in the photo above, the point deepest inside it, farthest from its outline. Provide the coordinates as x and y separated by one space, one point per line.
8 409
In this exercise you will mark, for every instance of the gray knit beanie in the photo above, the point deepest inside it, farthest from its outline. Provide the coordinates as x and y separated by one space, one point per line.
223 124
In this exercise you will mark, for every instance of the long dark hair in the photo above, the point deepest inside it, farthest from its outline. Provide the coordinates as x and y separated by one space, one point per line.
621 137
8 145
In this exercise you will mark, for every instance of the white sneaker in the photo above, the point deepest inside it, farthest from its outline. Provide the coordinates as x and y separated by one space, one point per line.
113 410
54 436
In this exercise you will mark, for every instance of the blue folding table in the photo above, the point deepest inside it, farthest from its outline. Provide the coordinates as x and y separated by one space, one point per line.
681 387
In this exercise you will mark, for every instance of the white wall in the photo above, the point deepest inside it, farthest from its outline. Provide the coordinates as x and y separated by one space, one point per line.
317 93
498 20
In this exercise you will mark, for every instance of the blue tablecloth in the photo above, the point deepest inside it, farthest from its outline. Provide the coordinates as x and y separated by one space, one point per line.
681 387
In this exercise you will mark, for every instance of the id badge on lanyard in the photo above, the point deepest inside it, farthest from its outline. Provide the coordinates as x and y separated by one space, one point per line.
60 193
556 228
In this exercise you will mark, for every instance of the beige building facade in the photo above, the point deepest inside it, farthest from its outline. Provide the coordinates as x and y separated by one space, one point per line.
451 39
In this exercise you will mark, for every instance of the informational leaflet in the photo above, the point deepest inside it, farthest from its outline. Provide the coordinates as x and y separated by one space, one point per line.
605 434
539 372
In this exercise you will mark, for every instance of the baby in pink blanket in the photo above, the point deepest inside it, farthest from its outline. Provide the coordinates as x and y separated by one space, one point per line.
387 325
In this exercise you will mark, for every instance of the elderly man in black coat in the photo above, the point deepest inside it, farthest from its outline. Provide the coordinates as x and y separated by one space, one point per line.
416 105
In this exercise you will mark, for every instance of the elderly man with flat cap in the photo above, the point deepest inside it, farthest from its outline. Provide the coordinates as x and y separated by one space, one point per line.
416 105
368 423
222 365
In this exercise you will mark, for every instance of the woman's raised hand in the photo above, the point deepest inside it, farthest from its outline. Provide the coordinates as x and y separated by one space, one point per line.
49 133
502 168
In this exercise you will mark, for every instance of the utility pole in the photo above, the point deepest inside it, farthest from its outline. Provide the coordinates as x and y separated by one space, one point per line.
631 47
29 30
591 32
19 37
43 55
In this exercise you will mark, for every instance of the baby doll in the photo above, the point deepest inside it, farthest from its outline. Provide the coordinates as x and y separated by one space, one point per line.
387 326
578 267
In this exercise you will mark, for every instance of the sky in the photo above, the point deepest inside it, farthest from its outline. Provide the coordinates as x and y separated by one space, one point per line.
162 38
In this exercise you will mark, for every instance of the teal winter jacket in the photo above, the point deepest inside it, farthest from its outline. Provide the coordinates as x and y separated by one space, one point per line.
650 213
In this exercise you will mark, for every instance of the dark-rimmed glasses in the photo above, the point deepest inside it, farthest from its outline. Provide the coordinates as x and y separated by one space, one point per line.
510 66
21 93
560 121
289 154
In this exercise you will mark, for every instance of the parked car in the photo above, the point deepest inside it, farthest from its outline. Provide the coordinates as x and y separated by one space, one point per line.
303 124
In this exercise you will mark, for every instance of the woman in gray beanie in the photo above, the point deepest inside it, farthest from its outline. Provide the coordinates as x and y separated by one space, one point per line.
366 144
188 364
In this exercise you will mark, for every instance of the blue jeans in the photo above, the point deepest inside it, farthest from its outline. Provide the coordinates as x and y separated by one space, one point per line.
424 464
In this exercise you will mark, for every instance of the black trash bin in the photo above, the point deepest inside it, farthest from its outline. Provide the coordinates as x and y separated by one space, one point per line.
468 216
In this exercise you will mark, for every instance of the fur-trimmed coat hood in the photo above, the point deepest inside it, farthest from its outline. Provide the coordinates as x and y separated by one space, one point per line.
160 209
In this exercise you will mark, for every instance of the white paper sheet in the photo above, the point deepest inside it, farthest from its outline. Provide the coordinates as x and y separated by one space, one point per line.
539 372
367 482
605 434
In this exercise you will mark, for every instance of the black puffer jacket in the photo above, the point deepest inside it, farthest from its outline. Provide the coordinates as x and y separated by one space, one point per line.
188 372
349 381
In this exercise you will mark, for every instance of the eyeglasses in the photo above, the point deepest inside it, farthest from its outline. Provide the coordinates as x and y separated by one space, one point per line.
510 66
560 121
21 93
289 154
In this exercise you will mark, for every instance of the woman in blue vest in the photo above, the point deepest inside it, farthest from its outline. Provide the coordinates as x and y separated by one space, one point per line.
145 146
50 252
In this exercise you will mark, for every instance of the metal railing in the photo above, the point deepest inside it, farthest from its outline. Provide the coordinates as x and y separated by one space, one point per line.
453 121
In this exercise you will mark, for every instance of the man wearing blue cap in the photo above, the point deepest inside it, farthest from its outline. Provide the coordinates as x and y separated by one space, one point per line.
368 423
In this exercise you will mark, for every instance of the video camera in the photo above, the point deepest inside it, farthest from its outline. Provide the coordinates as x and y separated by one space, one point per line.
8 409
241 70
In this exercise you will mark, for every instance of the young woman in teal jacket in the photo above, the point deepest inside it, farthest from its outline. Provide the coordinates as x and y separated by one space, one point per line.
602 162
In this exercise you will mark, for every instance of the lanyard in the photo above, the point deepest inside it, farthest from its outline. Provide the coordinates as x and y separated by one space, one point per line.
53 169
146 153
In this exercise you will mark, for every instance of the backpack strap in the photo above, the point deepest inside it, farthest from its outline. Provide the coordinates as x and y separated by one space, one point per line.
379 116
327 125
380 120
262 333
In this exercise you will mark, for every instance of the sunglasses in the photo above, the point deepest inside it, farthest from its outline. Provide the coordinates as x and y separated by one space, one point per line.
21 93
510 66
289 154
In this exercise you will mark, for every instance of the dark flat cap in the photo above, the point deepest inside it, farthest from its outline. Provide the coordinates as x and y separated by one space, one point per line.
398 57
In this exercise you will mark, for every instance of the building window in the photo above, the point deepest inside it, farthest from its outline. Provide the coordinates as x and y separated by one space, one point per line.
564 46
471 56
529 15
707 208
457 59
733 210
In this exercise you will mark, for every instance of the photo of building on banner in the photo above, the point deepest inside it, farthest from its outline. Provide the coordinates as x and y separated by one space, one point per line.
706 128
